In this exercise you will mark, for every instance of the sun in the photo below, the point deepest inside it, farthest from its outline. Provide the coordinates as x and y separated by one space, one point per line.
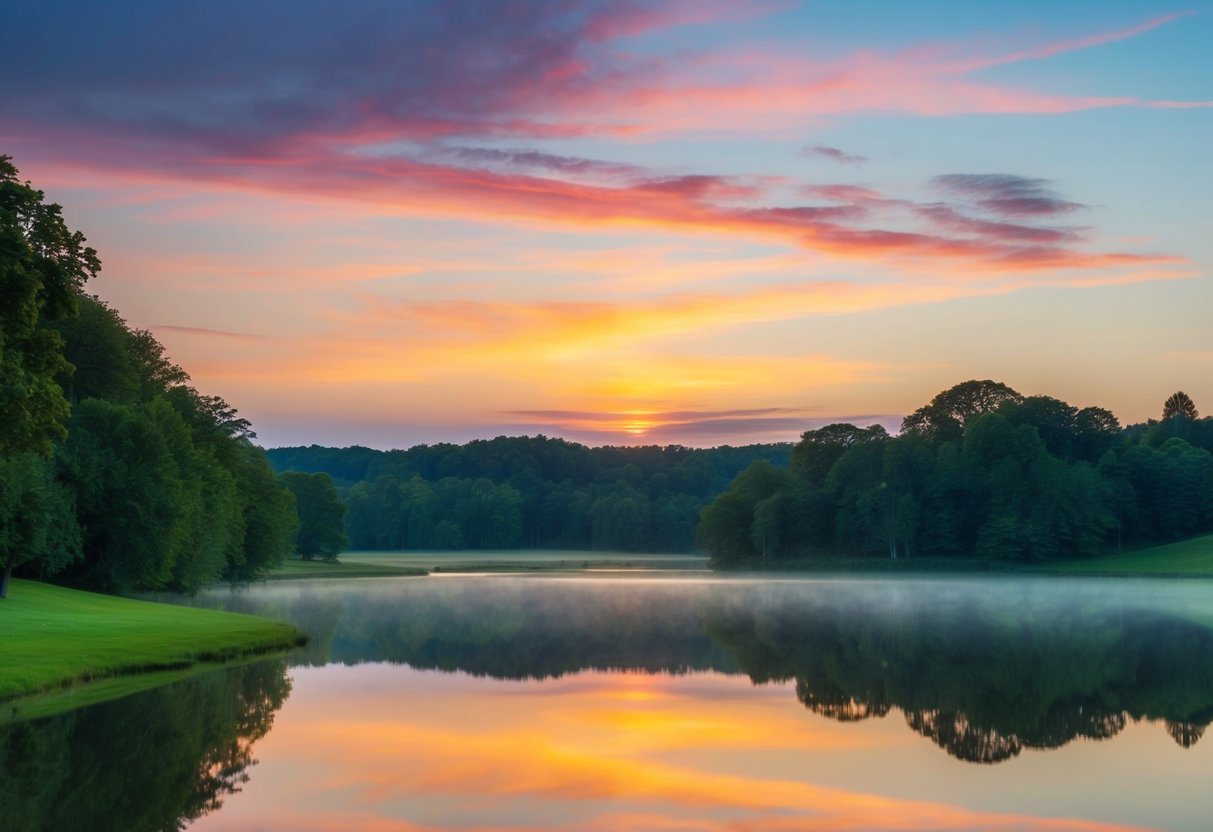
637 423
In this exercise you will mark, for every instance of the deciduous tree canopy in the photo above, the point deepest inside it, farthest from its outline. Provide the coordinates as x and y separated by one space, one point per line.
981 471
43 265
115 473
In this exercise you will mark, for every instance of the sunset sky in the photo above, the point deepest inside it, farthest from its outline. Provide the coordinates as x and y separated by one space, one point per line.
686 222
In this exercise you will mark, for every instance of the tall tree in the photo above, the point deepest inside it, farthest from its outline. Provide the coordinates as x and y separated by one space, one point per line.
1179 403
321 530
43 265
945 416
818 450
37 517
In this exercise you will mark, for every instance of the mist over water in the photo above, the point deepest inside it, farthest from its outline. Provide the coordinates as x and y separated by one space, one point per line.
984 668
663 700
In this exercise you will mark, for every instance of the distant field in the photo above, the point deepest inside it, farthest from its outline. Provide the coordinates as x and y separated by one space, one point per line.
343 568
1186 557
51 637
522 560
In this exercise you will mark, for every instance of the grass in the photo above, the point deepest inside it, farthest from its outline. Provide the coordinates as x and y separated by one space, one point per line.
52 638
296 569
1191 557
523 560
875 564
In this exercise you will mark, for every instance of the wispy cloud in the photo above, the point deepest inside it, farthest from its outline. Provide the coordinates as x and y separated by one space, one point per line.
207 333
833 154
538 162
362 75
1006 194
379 111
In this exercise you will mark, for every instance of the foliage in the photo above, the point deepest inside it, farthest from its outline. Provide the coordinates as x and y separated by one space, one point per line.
320 532
533 492
945 416
980 470
37 520
148 483
1179 404
43 264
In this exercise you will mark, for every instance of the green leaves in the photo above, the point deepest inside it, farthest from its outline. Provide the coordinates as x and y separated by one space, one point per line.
321 529
43 266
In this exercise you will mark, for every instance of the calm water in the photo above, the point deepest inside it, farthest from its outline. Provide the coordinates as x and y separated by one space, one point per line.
640 703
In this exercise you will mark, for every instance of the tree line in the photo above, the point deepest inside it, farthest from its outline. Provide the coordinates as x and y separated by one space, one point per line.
115 472
526 492
981 470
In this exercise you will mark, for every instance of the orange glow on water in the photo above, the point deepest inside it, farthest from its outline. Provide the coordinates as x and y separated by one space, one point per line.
407 751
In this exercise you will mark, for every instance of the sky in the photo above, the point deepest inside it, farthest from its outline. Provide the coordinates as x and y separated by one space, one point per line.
692 222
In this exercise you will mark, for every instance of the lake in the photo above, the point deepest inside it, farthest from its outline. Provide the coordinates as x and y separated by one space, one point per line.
660 701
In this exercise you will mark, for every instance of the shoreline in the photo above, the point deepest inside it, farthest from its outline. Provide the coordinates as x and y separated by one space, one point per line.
58 640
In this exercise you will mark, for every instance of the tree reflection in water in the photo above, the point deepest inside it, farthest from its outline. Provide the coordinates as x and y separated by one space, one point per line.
149 762
983 668
984 677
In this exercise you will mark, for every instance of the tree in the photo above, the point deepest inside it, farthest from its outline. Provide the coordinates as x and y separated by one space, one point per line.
37 517
1055 421
321 515
944 418
1098 430
726 525
43 265
818 450
134 503
1179 404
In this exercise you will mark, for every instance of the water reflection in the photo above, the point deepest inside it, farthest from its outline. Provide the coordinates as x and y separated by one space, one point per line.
983 669
153 761
985 672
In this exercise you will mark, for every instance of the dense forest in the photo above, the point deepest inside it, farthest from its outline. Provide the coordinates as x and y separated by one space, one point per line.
115 473
532 492
980 470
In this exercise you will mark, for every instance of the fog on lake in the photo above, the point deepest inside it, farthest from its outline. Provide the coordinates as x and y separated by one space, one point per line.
641 701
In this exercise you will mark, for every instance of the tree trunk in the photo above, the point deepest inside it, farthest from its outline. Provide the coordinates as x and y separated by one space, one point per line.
8 572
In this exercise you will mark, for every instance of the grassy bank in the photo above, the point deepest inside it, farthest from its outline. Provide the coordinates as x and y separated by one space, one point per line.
522 560
51 637
1191 557
298 569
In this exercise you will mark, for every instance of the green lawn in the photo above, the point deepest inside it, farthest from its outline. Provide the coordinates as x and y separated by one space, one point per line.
51 637
340 569
1187 557
521 560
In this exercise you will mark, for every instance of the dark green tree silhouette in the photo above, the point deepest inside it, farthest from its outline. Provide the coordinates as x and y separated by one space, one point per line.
321 531
1179 404
945 416
43 265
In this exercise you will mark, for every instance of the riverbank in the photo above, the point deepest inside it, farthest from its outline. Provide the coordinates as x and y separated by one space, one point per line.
53 638
294 570
522 560
1192 558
